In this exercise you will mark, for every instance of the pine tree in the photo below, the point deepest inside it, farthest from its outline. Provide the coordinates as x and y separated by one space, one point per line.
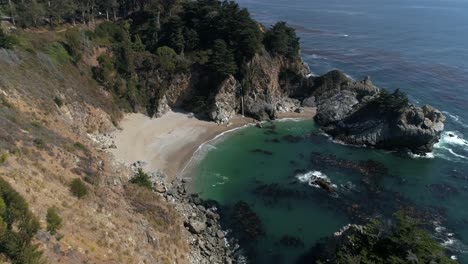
222 59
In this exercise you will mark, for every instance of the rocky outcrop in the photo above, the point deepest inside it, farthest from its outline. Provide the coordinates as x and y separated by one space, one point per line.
359 113
225 101
271 81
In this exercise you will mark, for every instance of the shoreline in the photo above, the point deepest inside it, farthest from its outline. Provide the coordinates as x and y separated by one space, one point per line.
169 143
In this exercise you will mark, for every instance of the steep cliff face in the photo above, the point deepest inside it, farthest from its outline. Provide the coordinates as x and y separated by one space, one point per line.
359 113
226 101
267 87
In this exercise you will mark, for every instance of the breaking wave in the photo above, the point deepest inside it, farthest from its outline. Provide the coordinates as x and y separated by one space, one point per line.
452 146
311 176
455 118
449 241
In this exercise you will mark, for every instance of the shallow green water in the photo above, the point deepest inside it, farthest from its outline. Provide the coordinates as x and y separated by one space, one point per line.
230 169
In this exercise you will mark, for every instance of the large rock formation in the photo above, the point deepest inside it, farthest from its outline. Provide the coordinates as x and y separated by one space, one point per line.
358 113
225 101
355 112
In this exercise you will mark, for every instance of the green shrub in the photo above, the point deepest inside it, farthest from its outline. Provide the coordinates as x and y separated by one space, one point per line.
54 221
142 179
78 188
74 44
39 142
6 41
58 54
58 101
80 146
5 102
3 158
167 58
17 227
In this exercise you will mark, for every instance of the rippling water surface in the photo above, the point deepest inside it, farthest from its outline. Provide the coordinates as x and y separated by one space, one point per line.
418 46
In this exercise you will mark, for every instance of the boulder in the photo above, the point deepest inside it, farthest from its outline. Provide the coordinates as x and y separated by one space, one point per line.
195 226
309 102
225 102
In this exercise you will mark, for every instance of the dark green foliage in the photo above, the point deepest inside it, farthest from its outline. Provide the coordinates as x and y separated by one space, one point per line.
222 59
167 58
54 221
281 39
142 179
17 227
391 103
39 142
6 41
74 40
78 188
58 101
401 241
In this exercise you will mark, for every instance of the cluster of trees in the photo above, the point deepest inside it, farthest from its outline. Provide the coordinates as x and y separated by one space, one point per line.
157 42
18 226
391 104
401 240
154 41
52 12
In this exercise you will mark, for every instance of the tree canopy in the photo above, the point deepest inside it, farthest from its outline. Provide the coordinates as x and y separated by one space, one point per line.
18 226
401 240
282 39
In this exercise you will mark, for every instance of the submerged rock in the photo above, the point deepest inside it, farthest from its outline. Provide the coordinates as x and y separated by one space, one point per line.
291 241
247 221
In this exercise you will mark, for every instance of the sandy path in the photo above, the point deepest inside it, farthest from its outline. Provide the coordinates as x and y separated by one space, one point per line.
167 143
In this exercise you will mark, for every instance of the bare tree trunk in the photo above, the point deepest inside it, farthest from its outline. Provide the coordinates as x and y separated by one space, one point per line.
83 16
12 15
158 22
114 13
107 14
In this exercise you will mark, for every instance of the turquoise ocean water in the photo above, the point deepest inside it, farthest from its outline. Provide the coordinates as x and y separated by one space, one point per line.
418 46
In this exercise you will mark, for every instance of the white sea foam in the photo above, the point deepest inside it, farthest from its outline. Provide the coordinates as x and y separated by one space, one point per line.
452 146
455 119
448 239
350 77
311 176
429 155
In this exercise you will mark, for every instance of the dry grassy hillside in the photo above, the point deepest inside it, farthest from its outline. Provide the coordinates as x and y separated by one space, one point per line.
49 109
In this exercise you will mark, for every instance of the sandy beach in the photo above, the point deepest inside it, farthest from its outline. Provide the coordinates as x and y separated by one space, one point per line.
167 143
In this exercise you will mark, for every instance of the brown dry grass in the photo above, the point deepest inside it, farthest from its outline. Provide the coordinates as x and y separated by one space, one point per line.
109 225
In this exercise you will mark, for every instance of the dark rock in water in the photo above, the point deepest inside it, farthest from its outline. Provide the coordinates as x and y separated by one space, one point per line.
366 168
442 190
276 191
292 139
247 221
266 152
275 140
270 132
258 125
324 184
291 241
272 126
359 113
